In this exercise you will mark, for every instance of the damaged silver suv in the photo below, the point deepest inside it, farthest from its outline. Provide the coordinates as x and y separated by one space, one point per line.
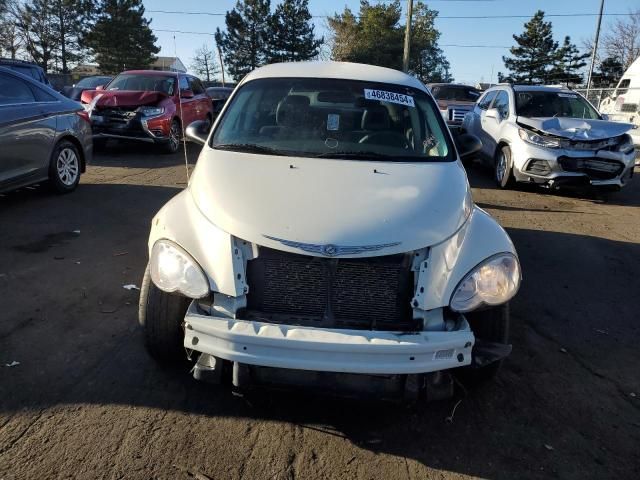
550 136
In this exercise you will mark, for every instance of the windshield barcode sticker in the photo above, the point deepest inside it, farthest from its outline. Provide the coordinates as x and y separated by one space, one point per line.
392 97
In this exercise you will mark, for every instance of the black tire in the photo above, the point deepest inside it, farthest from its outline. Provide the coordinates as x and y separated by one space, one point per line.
503 168
65 167
175 133
491 325
161 315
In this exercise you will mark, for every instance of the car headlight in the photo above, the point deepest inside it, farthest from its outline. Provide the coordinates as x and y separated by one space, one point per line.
626 145
151 111
539 140
173 270
493 282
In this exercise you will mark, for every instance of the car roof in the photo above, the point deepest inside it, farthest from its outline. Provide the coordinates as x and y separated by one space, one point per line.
335 70
454 85
24 63
532 88
35 83
160 73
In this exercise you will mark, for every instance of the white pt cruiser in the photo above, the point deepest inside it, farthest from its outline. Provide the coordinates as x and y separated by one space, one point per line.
328 238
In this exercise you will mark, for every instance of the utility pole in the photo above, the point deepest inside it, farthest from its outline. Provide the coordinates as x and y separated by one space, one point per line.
407 37
221 62
595 47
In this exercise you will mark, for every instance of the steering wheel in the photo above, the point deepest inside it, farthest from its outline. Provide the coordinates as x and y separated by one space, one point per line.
391 139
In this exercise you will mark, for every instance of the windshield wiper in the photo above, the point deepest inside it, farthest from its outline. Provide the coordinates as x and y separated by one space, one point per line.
358 155
248 148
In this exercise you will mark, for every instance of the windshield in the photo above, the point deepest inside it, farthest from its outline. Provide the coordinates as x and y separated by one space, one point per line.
536 103
147 83
458 94
334 118
92 82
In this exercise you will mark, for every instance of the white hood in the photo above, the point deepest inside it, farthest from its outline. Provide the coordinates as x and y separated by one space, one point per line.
327 201
577 128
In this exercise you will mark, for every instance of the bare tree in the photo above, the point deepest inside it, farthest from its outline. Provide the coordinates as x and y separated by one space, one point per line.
10 42
204 63
620 40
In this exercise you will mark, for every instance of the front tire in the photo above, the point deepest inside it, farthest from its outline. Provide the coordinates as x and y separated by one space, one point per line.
172 145
64 167
491 325
503 169
161 315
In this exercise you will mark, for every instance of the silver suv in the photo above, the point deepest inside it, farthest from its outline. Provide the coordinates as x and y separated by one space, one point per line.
550 136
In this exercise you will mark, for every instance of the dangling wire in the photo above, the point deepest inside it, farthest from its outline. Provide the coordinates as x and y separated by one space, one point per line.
184 137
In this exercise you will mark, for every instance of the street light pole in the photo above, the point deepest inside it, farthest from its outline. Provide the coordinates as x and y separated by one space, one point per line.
407 37
595 46
221 62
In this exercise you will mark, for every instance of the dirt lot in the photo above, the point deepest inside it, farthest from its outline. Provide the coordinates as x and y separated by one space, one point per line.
85 401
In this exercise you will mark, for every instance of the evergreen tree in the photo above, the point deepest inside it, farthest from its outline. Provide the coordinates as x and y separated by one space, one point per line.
121 38
427 60
291 33
204 63
569 64
245 42
608 73
536 55
376 37
69 26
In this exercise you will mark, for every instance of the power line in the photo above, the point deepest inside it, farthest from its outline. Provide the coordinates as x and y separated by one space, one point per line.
439 17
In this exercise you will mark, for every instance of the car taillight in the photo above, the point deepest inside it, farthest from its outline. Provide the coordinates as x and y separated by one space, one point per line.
84 115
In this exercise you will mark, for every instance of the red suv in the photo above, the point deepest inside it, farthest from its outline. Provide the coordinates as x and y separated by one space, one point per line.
147 106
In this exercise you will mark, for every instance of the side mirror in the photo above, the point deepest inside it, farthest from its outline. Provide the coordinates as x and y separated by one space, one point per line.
467 145
198 132
604 116
186 93
492 113
100 87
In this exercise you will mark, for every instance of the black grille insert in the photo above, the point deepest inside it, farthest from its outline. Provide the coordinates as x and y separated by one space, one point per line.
595 168
370 293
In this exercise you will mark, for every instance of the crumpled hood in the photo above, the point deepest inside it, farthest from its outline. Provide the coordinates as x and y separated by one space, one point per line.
122 98
577 128
338 202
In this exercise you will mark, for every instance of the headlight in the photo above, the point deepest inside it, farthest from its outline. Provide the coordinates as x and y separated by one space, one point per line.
151 111
539 140
173 270
626 145
493 282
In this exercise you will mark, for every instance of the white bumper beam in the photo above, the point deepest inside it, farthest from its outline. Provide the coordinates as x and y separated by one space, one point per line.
327 350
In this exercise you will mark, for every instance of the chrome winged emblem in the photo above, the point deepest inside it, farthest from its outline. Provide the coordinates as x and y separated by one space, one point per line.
330 250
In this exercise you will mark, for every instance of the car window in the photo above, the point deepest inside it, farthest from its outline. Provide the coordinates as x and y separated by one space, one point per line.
184 83
541 103
455 93
143 83
196 86
42 96
14 91
501 103
623 87
485 101
330 118
92 82
25 70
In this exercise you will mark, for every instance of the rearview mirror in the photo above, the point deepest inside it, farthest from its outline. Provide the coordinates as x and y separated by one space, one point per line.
467 145
186 93
198 131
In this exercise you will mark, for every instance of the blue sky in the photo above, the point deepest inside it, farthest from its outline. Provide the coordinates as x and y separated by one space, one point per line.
468 64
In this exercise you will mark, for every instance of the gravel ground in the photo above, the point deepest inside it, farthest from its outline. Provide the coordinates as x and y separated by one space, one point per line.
85 401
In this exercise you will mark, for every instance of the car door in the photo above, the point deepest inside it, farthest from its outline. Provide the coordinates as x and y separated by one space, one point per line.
27 129
202 100
492 123
188 104
479 121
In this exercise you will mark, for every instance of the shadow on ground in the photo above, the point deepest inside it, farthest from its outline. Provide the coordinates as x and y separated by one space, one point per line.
72 326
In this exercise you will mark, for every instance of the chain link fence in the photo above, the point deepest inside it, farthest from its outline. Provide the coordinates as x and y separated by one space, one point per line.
618 98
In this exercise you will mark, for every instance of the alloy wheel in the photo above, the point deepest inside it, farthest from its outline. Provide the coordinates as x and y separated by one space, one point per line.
67 166
501 166
174 136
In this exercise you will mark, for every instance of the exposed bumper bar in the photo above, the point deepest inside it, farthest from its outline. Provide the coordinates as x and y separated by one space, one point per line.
345 351
123 137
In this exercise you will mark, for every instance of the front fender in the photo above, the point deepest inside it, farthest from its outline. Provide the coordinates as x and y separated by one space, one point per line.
450 261
216 251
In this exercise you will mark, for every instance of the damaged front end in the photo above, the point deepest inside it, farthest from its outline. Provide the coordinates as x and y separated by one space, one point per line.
562 152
